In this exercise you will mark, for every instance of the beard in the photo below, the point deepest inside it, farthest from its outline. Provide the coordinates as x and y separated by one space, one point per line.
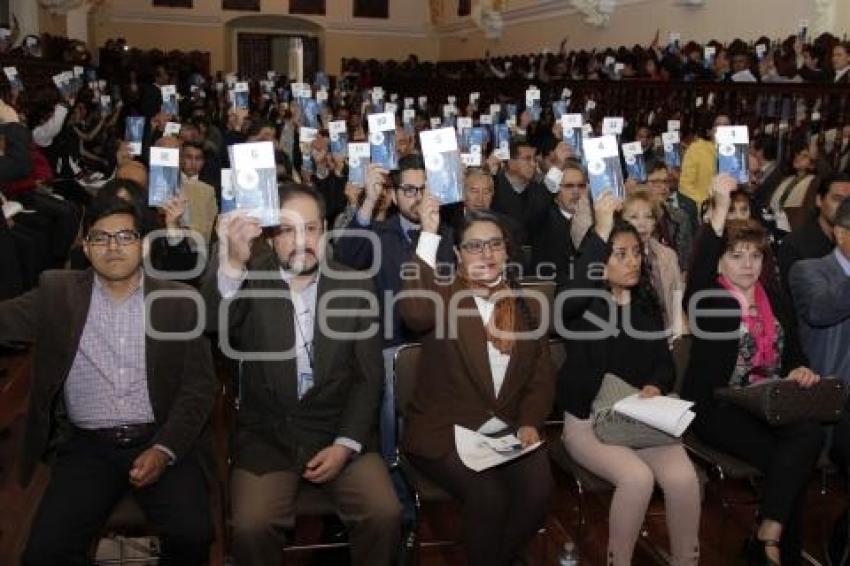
300 267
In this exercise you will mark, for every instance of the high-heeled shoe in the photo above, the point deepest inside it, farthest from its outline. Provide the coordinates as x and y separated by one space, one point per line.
756 552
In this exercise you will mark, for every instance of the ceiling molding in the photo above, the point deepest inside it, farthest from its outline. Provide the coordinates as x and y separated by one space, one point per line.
369 27
542 10
165 17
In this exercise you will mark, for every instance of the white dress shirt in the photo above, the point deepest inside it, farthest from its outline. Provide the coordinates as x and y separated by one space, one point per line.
303 314
426 249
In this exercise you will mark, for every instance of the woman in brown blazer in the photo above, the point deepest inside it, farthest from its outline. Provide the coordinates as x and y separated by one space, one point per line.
478 371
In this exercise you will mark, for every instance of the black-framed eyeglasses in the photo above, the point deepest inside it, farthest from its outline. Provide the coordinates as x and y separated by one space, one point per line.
122 237
411 191
477 246
659 181
573 186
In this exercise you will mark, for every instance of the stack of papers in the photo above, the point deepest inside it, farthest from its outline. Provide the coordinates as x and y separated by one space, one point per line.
479 452
667 414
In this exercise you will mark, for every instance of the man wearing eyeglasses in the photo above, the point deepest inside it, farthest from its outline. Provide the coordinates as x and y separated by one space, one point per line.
821 291
519 195
678 220
557 241
398 236
123 386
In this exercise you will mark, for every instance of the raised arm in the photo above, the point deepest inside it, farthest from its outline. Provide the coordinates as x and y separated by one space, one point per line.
356 250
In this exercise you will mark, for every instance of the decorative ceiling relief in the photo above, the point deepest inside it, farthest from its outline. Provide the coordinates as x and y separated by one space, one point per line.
596 12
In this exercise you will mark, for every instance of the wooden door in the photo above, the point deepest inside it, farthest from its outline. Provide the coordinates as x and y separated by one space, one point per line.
254 55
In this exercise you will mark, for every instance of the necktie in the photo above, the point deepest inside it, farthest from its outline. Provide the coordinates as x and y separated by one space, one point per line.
413 236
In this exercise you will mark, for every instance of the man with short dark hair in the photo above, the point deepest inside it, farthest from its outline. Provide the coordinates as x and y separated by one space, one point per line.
310 383
114 407
518 194
398 235
816 238
198 198
821 289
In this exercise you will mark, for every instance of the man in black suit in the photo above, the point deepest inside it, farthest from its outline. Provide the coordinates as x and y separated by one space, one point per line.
519 195
310 385
841 64
816 238
398 236
567 221
122 390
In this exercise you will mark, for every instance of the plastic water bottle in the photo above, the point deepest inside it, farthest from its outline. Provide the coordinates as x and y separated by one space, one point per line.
569 556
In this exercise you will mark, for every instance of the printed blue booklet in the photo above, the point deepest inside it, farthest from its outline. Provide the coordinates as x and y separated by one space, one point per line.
358 163
134 132
255 181
382 140
164 180
603 166
443 167
672 149
240 95
228 197
339 137
635 164
169 100
572 132
732 147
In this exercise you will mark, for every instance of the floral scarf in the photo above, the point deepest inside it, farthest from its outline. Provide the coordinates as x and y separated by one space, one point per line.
760 323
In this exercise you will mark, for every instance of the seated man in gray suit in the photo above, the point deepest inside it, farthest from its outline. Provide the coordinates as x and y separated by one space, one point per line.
821 289
311 381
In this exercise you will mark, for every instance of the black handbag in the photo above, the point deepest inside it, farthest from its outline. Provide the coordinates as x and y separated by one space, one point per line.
783 401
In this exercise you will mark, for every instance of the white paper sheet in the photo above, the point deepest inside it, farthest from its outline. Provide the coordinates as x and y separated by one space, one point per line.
479 452
668 414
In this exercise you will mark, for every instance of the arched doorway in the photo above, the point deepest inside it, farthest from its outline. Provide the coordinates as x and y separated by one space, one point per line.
260 43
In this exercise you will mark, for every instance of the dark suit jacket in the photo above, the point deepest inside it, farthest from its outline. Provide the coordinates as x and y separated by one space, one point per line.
274 429
528 208
768 185
454 383
16 164
808 242
181 378
395 250
689 207
712 360
553 245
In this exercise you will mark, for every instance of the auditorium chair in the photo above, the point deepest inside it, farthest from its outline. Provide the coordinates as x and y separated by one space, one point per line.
423 490
547 288
585 481
311 501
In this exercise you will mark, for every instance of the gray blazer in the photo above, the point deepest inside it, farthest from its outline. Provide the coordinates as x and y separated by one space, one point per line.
274 429
821 292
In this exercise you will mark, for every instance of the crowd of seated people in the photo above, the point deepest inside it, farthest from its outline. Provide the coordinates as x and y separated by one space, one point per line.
794 59
117 404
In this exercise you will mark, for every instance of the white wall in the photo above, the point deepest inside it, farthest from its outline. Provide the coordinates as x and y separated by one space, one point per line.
531 25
